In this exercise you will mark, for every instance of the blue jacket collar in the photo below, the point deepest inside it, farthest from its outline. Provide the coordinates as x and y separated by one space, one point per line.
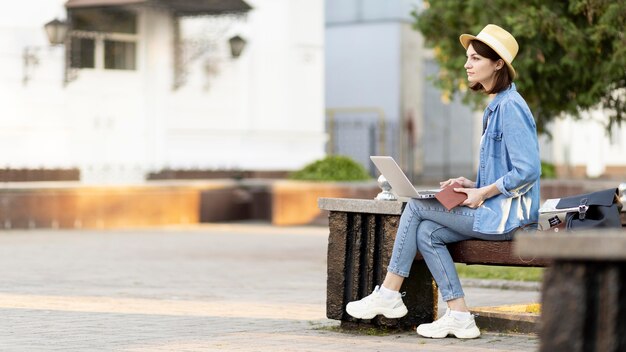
500 96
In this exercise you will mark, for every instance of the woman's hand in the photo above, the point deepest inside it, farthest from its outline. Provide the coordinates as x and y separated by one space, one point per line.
475 196
465 183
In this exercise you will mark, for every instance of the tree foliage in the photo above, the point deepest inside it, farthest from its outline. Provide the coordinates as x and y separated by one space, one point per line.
572 53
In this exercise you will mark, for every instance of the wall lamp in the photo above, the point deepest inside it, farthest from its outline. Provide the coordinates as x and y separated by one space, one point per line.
237 44
187 52
56 31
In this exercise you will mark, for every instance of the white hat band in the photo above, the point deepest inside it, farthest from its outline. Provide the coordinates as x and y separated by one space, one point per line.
495 43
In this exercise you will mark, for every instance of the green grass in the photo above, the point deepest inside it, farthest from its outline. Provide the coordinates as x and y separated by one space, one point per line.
499 272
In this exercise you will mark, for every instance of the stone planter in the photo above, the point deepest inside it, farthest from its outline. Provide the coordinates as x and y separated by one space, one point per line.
295 202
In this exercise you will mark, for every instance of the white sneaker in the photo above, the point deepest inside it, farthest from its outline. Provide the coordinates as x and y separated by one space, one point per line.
447 324
375 304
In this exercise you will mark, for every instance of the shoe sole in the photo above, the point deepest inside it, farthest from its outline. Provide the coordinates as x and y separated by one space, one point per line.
387 313
470 334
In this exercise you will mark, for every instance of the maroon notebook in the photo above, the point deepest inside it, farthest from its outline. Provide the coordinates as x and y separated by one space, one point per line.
449 198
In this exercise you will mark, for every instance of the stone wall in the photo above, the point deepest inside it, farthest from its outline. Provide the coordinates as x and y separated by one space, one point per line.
72 205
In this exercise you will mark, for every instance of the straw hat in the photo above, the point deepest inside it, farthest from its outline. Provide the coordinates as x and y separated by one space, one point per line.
498 39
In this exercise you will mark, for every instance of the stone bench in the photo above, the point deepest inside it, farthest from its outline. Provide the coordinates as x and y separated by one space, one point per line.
584 290
360 242
361 236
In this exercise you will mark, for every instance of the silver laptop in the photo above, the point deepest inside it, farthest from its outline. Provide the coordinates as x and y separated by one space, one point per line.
400 184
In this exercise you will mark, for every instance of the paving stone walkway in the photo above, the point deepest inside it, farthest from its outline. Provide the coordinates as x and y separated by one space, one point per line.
222 287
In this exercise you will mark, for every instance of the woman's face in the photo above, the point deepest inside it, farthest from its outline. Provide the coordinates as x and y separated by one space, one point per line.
480 69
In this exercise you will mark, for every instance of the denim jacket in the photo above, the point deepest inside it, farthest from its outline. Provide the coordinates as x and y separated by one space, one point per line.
509 157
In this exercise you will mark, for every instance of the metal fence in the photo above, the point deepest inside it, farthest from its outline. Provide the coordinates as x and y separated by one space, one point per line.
361 132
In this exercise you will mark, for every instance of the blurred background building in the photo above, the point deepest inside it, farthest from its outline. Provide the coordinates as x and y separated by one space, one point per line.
138 88
380 98
148 89
379 76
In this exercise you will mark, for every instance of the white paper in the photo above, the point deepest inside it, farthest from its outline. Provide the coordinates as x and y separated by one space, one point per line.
549 206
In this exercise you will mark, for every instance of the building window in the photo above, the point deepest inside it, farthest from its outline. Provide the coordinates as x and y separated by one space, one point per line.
82 53
103 38
119 55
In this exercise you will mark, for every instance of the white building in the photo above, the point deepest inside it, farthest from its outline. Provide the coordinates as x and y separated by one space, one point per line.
583 148
146 85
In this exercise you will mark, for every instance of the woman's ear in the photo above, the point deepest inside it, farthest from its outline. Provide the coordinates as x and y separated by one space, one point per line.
499 64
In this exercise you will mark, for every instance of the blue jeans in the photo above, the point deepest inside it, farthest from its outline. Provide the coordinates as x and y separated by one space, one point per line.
427 226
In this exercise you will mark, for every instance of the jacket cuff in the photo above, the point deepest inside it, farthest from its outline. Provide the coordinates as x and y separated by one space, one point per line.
502 189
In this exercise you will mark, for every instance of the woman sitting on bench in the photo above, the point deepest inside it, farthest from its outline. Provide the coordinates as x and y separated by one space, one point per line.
504 197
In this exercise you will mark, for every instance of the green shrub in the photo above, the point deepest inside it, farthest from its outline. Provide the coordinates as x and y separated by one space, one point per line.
547 170
332 168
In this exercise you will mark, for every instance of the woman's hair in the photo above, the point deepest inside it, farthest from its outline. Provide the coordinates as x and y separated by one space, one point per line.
502 80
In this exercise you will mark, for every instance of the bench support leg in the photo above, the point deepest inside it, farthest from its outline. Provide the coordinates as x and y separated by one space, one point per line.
583 307
359 249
